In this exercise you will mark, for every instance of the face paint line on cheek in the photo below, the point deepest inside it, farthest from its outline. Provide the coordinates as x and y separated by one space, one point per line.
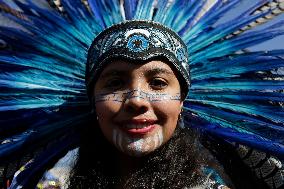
149 143
156 140
120 138
116 138
160 137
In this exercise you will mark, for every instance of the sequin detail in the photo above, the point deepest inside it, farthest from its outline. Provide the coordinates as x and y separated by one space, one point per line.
137 41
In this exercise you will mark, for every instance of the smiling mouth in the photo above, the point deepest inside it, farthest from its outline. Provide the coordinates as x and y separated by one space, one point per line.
139 127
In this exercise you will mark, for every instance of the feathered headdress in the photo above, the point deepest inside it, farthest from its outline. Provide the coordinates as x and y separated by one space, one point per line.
236 92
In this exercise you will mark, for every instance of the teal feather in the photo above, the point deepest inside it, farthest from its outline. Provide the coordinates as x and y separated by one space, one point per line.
172 12
209 19
161 11
237 96
234 66
269 112
234 44
238 85
220 32
51 65
144 10
239 122
187 16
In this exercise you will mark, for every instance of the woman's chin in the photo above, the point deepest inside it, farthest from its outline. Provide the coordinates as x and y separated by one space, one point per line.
138 146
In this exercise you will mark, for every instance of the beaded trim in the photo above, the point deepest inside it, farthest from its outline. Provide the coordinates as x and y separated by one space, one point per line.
137 40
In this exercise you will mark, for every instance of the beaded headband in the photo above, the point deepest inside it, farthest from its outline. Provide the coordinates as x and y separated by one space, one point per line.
137 40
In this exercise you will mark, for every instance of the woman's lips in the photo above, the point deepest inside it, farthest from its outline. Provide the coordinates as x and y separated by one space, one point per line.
138 127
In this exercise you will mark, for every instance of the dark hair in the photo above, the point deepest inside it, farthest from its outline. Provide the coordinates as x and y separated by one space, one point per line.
176 164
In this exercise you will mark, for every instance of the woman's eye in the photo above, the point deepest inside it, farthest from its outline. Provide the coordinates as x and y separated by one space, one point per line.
114 83
158 83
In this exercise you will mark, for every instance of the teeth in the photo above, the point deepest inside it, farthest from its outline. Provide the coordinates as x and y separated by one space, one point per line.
136 126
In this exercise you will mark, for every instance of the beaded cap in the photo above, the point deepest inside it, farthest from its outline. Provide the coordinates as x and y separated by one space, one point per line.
137 40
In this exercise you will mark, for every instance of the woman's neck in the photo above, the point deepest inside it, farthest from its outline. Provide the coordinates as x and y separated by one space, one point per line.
126 164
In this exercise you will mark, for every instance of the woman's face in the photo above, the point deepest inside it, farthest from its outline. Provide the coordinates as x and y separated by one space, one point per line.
137 105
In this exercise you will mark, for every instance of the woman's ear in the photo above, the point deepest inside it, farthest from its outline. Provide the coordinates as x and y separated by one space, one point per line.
181 106
183 96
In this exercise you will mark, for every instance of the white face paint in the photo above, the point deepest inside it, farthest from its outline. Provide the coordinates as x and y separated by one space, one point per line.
136 146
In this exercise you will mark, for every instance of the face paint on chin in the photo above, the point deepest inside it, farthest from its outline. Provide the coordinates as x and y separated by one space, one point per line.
135 146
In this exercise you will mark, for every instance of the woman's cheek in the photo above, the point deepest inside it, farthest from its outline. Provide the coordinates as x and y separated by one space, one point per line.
168 112
105 110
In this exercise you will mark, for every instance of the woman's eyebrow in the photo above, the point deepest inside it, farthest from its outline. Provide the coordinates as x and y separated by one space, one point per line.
159 71
112 72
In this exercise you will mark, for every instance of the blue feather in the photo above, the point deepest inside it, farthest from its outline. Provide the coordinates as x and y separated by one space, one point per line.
238 84
252 109
144 10
231 67
188 18
220 32
129 8
234 44
253 140
161 13
208 19
48 131
107 12
235 94
253 8
241 122
172 12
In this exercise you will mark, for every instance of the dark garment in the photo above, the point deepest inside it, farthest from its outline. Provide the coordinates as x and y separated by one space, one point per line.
232 170
247 168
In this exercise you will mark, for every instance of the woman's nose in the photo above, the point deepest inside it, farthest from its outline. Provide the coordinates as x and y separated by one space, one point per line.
136 100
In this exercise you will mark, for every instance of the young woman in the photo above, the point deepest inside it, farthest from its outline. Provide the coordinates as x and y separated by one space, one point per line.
137 80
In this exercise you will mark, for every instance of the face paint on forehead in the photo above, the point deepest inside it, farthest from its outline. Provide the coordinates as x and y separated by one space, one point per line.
123 95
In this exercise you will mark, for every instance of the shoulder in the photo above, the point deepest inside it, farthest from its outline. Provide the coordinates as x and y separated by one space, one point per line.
58 175
55 177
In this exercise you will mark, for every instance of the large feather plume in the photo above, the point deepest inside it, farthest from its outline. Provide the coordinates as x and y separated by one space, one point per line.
236 93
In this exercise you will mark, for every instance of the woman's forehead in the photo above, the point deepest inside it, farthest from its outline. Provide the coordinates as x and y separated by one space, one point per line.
152 66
